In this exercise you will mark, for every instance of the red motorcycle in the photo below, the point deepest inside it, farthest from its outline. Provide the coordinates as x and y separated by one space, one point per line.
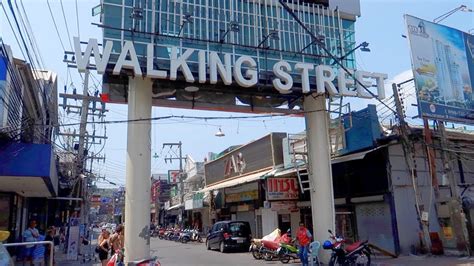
161 233
357 253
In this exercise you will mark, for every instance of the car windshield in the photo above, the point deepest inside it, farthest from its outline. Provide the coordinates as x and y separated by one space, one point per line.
238 227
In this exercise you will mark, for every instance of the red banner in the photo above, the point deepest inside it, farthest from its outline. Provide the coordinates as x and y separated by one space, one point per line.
285 188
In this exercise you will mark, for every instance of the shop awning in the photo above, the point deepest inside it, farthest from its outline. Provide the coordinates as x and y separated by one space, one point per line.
243 179
355 156
28 169
346 158
174 207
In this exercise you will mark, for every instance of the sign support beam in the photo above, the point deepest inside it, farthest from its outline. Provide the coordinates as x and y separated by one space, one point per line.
319 169
138 171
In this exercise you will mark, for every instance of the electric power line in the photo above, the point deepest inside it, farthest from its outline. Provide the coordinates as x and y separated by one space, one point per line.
55 26
65 22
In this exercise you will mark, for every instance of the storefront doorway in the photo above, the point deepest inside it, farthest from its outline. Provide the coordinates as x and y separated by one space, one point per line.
284 222
345 223
306 218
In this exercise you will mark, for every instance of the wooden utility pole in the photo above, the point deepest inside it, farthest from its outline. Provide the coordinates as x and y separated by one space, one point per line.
177 155
431 156
458 219
408 150
84 139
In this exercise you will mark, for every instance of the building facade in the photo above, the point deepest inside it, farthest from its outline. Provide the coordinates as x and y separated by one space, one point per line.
28 160
263 30
236 181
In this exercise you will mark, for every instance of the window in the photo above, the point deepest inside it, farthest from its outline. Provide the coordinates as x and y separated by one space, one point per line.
238 227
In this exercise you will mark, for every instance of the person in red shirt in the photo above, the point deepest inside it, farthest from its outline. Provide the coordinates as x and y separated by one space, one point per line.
304 239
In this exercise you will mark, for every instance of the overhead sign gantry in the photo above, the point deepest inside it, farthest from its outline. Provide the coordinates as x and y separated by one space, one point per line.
227 55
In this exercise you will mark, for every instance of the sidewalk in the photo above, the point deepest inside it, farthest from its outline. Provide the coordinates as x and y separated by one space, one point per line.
423 260
88 259
61 259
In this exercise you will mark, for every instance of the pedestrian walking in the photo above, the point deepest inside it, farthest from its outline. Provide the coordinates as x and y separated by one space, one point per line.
103 247
304 239
31 234
49 237
38 253
116 240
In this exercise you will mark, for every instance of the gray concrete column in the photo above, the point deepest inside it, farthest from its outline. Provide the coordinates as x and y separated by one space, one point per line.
319 165
138 171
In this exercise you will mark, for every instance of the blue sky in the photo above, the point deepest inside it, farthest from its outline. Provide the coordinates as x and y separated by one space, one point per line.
381 24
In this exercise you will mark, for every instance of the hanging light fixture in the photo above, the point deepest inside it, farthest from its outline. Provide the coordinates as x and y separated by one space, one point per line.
219 133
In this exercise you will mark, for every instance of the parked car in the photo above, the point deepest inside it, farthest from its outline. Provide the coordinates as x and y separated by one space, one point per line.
227 235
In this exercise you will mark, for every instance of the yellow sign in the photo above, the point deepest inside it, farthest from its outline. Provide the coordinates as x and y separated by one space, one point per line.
242 196
448 232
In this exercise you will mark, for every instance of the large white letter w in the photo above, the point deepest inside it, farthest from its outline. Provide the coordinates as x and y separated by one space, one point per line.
92 48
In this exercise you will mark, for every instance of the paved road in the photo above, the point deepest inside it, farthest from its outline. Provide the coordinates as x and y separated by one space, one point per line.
171 253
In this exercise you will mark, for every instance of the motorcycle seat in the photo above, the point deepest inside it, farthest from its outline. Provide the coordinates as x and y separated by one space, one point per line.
354 246
270 244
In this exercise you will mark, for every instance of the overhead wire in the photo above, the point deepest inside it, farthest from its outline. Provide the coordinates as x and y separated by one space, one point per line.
67 27
30 30
55 25
29 56
13 31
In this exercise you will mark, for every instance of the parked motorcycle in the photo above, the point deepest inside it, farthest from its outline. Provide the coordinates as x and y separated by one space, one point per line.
268 249
154 232
161 233
184 236
357 253
196 236
254 248
286 252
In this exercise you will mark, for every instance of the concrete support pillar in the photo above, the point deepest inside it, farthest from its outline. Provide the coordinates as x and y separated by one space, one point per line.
319 165
138 173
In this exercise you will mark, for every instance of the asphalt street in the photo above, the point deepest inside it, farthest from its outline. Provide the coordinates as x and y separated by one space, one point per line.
171 253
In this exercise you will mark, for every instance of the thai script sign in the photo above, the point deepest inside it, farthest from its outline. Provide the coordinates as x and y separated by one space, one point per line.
282 188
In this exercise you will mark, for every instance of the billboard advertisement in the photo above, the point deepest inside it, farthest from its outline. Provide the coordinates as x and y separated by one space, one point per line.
443 69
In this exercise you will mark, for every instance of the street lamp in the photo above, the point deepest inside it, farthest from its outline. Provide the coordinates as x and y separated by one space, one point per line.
219 133
187 18
364 47
449 13
233 26
273 35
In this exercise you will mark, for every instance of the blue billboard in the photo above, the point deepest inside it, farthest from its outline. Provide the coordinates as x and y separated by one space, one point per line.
443 69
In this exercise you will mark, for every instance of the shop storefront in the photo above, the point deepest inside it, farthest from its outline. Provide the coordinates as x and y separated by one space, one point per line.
12 214
197 209
281 210
363 201
242 201
237 180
